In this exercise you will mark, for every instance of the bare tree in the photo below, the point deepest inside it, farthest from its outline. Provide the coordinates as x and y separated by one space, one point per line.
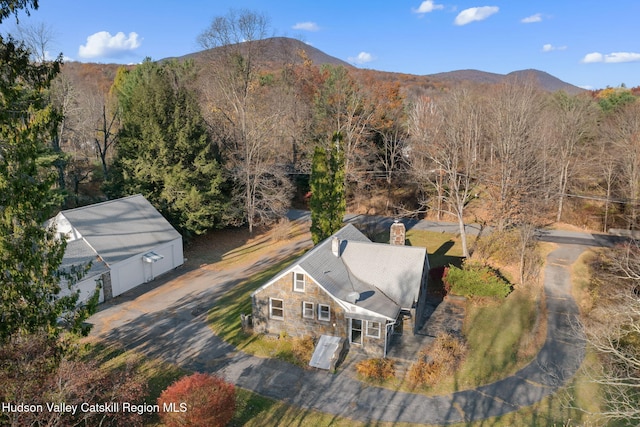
453 151
343 107
624 132
612 328
514 172
424 122
39 39
389 125
572 122
106 135
246 127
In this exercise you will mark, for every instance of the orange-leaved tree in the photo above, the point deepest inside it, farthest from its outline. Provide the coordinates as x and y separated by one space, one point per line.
198 400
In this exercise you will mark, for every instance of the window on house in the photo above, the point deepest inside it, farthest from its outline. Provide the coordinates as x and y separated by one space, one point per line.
373 329
324 312
298 282
308 310
276 308
355 326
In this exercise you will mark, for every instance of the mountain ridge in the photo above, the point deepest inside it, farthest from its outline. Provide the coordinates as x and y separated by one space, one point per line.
545 80
282 49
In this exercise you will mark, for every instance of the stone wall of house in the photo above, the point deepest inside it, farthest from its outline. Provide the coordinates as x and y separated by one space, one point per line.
107 290
294 324
373 347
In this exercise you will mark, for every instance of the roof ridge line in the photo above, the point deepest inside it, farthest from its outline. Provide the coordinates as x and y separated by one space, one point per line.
102 203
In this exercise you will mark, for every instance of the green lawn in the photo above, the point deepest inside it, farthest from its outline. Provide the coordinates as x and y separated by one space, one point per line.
224 317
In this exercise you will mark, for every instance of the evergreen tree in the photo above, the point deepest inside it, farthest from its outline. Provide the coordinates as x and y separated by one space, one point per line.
30 254
164 150
328 202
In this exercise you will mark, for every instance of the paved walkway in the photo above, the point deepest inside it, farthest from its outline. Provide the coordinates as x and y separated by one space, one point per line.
170 322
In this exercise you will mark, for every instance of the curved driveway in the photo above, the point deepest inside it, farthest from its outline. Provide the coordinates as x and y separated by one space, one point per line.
169 322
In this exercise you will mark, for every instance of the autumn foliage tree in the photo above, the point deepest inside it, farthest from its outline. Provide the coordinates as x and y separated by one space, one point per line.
34 370
210 401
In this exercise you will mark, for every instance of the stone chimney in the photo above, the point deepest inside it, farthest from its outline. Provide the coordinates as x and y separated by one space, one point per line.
335 246
397 235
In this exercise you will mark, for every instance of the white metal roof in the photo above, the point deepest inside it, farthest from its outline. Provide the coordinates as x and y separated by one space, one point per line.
122 228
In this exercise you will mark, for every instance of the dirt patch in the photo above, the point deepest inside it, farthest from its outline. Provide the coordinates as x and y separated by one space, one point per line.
234 246
210 247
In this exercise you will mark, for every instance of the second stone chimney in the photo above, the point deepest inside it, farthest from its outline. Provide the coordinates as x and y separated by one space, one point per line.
397 234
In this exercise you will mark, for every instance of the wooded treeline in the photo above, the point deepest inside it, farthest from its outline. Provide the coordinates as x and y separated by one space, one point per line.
228 138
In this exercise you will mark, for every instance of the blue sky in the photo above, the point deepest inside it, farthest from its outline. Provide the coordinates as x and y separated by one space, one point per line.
588 43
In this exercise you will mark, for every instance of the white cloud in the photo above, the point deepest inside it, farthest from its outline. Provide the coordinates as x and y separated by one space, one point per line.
103 44
611 58
531 19
475 14
593 57
362 58
428 6
306 26
622 57
550 48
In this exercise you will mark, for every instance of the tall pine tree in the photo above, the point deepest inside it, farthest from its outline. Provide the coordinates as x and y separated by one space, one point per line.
164 150
30 254
328 201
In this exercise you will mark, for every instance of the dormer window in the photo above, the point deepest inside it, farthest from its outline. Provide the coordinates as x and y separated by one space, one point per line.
298 282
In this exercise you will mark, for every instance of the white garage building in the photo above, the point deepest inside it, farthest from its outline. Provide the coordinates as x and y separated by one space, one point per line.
127 241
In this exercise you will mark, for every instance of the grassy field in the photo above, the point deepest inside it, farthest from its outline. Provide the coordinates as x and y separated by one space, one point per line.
224 318
502 337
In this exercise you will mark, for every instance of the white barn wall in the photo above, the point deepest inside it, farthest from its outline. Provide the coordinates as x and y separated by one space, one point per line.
130 273
170 260
127 274
87 287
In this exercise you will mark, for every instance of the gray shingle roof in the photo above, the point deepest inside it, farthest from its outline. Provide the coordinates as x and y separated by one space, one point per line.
122 228
395 270
386 277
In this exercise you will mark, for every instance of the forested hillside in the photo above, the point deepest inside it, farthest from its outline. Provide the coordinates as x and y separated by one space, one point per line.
226 136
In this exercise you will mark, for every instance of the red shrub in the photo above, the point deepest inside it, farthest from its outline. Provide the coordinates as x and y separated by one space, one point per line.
445 282
198 400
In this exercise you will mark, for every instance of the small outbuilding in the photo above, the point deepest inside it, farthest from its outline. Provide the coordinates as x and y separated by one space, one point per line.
127 241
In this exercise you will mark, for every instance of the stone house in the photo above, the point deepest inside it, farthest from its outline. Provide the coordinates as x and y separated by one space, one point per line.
347 287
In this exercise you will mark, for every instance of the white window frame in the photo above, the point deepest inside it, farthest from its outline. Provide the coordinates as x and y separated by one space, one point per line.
297 282
271 308
372 332
321 315
308 310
